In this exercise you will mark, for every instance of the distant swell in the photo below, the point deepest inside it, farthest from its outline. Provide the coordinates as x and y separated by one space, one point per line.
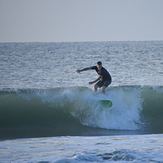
75 110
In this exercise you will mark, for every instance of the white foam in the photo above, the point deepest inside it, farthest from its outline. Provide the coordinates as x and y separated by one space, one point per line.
124 114
83 104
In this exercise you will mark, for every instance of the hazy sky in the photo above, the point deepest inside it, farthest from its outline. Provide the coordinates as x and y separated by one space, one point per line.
80 20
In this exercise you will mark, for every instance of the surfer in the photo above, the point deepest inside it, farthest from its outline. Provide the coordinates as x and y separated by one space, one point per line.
104 79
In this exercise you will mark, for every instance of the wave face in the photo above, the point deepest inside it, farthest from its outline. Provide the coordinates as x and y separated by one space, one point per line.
61 111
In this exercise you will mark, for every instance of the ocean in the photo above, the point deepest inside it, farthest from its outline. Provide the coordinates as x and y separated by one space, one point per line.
49 112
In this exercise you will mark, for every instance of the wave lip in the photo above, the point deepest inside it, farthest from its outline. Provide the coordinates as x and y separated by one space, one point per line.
77 108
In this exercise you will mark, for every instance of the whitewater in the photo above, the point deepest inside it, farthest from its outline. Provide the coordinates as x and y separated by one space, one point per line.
49 113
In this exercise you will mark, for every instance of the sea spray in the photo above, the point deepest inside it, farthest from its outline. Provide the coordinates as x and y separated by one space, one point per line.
123 115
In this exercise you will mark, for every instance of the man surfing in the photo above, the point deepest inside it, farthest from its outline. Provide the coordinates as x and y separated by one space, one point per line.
104 79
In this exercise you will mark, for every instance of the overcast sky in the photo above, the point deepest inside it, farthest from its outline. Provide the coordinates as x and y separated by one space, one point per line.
80 20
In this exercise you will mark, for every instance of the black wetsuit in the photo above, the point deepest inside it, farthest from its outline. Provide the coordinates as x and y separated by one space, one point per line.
106 77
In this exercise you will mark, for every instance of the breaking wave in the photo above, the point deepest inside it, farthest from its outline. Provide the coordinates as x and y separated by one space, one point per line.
70 109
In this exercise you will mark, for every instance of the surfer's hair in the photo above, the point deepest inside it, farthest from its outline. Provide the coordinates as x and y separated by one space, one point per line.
99 63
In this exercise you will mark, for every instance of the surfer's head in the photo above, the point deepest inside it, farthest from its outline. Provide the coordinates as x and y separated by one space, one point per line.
99 65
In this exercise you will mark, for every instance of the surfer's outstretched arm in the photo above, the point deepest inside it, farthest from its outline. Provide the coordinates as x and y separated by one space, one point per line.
84 69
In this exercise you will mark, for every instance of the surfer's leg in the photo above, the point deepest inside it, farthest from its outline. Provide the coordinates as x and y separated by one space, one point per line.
106 84
98 85
95 87
103 89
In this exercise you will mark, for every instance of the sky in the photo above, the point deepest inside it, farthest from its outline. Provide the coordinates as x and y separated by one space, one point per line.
80 20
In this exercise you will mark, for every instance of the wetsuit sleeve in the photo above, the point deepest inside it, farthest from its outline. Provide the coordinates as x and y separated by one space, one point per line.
93 67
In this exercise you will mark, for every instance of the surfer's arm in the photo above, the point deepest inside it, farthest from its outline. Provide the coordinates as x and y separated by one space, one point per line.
84 69
99 77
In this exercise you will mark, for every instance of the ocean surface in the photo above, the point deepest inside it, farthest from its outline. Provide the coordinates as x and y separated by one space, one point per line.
49 113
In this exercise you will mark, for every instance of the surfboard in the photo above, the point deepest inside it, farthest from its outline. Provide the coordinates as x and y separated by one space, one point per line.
106 103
